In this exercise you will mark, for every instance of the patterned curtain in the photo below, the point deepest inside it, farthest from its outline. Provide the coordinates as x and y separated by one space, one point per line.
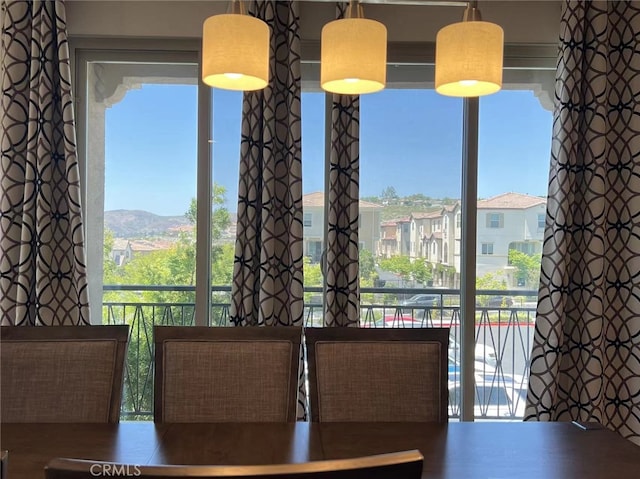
585 363
342 302
267 275
42 265
267 287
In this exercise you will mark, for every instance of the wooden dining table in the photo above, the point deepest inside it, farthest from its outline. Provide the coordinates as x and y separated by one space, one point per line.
481 450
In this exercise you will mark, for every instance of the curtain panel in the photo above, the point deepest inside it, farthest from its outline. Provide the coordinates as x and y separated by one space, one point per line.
42 259
267 286
342 298
585 362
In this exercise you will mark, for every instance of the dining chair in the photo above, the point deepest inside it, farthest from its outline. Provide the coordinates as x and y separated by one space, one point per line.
374 375
55 374
226 374
396 465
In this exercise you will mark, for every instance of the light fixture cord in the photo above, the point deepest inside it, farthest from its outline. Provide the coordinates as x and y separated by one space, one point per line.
471 13
237 7
354 10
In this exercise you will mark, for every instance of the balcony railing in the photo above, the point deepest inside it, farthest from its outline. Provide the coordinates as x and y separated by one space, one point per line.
504 333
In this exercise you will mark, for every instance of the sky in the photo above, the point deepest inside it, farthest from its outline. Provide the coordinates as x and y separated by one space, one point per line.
409 139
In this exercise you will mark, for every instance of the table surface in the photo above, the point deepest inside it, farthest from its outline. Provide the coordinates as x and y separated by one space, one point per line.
456 450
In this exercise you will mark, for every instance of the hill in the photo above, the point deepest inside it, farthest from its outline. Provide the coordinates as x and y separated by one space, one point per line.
140 224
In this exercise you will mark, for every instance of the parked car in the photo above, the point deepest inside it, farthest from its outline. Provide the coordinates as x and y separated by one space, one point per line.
422 300
483 352
420 303
481 370
495 302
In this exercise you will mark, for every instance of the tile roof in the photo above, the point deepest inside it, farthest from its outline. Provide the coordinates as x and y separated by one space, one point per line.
317 199
424 215
516 201
120 244
451 208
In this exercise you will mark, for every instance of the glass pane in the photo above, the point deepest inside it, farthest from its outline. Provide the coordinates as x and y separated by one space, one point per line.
410 180
513 167
313 167
227 113
225 151
141 181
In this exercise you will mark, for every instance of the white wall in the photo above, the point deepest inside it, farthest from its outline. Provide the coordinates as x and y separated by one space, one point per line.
524 21
519 225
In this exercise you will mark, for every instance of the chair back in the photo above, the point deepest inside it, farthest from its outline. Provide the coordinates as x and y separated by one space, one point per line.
55 374
233 374
398 465
374 375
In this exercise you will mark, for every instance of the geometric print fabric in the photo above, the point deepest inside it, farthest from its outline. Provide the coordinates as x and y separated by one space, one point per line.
585 362
42 263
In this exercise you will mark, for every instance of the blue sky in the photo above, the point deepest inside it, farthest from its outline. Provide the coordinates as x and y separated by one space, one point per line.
410 139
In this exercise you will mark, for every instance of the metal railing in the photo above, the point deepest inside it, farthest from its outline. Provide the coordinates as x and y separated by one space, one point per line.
504 334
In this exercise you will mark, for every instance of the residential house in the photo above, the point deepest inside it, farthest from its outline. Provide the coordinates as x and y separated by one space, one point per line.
421 231
388 244
124 250
508 221
451 235
121 251
313 222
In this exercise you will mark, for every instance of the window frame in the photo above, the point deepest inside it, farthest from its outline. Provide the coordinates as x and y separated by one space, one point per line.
307 220
495 220
516 57
85 50
486 249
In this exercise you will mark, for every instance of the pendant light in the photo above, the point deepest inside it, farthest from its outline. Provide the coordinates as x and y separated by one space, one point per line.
469 56
235 50
353 58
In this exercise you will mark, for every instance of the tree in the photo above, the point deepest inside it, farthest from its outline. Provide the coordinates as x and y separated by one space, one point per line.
367 267
421 271
220 218
527 267
389 193
108 265
397 264
311 272
492 281
417 270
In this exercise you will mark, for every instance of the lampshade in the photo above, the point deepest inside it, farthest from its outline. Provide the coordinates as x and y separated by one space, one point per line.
469 59
353 58
235 52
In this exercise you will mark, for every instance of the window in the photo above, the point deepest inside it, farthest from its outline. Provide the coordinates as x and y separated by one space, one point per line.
495 220
541 221
139 168
487 248
514 140
397 183
139 171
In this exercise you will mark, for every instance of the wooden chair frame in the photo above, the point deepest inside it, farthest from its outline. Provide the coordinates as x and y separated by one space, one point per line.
405 465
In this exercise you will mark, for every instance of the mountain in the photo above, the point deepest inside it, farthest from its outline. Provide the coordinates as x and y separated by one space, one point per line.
140 224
